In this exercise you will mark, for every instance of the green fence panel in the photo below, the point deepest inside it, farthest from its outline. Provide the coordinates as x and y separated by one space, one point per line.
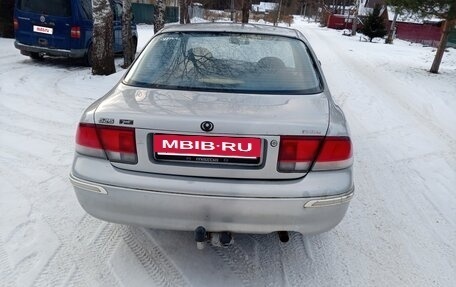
144 13
452 39
172 14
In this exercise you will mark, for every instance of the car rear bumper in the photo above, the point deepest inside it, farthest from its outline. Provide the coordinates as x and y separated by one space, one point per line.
73 53
182 211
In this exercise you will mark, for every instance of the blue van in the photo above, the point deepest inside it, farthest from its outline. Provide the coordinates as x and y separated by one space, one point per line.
62 28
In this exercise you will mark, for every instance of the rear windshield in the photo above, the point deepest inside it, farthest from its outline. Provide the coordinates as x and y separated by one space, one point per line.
60 8
226 62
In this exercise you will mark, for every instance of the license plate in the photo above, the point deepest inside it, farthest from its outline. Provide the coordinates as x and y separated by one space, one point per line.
43 30
208 149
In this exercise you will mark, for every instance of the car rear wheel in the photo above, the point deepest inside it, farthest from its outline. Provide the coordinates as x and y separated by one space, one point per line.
36 56
88 57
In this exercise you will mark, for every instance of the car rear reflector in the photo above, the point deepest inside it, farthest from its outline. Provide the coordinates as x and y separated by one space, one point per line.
75 32
16 24
117 143
298 153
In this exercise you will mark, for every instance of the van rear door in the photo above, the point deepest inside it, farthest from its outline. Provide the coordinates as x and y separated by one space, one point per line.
45 23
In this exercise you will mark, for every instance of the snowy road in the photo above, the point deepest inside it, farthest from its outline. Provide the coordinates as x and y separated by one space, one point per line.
400 229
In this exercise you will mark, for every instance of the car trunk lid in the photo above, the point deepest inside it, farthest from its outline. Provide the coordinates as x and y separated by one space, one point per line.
256 119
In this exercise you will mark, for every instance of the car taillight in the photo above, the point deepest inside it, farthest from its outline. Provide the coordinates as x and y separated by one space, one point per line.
75 32
16 24
336 153
297 153
117 143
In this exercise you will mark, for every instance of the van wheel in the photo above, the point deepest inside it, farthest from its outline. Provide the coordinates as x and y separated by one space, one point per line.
88 57
36 56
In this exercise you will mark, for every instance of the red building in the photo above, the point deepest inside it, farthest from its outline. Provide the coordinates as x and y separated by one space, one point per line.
409 27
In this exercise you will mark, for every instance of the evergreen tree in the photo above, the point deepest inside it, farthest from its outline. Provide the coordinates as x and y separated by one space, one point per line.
373 25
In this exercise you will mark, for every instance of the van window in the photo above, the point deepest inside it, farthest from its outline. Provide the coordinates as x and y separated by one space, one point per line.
60 8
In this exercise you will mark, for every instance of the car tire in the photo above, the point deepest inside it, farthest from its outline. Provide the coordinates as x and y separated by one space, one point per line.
36 56
88 56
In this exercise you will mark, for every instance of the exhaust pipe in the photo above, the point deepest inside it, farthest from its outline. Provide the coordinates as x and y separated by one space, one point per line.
283 236
218 239
200 237
221 239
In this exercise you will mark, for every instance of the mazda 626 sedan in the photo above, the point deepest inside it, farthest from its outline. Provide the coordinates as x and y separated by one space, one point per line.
218 129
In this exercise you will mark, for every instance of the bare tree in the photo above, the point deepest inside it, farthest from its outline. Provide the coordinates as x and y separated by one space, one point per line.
246 5
392 30
128 43
160 11
101 49
184 17
355 19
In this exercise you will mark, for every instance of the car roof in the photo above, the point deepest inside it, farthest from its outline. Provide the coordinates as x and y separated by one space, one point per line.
233 28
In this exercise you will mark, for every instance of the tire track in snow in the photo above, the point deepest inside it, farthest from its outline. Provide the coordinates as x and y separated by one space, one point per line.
157 264
61 259
60 262
297 252
90 267
6 273
269 258
240 262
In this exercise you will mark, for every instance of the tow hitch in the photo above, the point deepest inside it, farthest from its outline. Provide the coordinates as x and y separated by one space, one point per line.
218 239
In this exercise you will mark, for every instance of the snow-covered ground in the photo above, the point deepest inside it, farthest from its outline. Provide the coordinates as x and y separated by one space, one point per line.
400 229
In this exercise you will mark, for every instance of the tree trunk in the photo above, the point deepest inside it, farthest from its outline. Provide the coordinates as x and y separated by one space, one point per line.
182 11
103 38
355 19
389 39
278 12
129 48
6 18
442 45
187 15
184 17
245 11
160 11
448 26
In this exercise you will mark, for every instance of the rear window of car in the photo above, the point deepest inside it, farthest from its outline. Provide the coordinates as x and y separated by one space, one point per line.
60 8
226 62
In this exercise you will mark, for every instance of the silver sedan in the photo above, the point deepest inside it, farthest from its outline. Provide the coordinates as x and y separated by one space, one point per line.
218 128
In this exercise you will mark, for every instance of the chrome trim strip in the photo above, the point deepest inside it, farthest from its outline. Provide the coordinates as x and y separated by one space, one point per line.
329 201
87 186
